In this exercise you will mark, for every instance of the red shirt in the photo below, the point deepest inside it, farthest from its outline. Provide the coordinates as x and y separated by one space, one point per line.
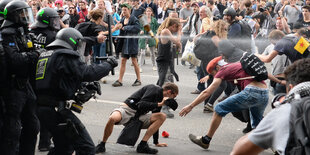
83 14
233 71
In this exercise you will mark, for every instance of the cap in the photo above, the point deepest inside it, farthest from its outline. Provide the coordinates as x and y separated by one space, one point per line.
195 4
125 5
172 103
59 2
212 64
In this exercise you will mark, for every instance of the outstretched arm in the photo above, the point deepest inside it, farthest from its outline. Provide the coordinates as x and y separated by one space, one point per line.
202 96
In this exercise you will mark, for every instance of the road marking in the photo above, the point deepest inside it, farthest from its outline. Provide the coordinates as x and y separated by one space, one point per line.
106 101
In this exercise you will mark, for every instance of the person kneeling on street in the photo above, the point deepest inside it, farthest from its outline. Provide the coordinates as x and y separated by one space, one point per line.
141 102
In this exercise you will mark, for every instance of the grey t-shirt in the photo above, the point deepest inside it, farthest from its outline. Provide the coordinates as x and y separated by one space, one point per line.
184 13
273 130
291 13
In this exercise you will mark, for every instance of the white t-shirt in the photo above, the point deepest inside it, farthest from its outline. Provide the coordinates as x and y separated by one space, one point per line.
273 130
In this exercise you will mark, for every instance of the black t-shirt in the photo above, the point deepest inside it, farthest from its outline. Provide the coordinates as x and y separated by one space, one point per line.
286 46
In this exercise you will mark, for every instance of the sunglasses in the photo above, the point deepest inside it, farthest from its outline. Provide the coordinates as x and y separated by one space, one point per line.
60 11
71 8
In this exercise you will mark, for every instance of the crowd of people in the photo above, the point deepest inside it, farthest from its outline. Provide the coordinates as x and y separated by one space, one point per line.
50 48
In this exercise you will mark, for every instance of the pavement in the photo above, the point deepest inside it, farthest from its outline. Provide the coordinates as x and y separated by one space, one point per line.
96 112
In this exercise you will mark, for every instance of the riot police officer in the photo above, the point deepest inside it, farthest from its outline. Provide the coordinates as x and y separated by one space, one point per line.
44 30
3 67
21 124
60 72
45 27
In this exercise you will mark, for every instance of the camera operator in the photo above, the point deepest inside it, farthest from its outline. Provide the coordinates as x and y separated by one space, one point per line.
21 124
59 75
267 26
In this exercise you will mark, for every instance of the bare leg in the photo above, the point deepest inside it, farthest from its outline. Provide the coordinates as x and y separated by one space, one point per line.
157 119
136 66
115 117
122 69
215 123
142 57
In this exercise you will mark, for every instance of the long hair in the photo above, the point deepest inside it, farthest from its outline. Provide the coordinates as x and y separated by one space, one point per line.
220 28
167 23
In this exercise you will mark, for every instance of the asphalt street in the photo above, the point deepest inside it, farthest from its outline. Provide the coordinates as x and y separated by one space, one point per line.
96 112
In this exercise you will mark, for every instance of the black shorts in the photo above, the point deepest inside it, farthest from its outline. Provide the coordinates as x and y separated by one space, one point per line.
127 56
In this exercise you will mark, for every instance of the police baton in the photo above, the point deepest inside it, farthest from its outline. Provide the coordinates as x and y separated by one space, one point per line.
109 43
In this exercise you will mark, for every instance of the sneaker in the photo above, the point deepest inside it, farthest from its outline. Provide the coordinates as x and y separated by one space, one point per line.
100 148
146 149
165 110
247 129
191 66
140 70
198 140
154 68
136 83
117 84
208 108
195 92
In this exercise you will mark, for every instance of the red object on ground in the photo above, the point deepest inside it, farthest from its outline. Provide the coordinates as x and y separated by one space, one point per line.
165 134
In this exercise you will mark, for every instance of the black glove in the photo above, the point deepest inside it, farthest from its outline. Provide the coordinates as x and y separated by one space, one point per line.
112 61
172 103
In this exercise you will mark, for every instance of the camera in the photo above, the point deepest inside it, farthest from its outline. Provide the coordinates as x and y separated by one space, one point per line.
87 91
263 9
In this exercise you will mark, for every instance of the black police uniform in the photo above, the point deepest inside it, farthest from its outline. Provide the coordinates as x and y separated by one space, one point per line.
59 74
21 123
44 36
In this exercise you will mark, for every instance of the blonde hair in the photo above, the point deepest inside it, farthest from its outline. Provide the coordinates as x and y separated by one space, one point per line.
220 28
167 23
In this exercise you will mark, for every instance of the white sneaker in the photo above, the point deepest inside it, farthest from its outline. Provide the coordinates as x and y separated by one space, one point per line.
140 70
154 68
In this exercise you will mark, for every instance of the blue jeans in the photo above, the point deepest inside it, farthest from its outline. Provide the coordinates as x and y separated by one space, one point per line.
253 98
99 50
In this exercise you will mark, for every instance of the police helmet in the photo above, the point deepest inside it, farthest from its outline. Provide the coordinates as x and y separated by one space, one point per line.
17 12
230 12
69 38
3 3
47 17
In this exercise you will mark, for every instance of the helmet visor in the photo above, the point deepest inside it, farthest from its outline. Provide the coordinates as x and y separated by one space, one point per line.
26 16
81 49
55 23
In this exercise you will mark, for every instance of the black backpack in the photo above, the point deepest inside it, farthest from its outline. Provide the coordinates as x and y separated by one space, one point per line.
246 31
253 66
204 49
299 127
243 41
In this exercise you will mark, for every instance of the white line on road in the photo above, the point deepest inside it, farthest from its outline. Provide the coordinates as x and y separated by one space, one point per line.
106 101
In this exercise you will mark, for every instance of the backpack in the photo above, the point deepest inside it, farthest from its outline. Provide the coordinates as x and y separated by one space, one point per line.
244 39
204 48
299 127
253 66
246 31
